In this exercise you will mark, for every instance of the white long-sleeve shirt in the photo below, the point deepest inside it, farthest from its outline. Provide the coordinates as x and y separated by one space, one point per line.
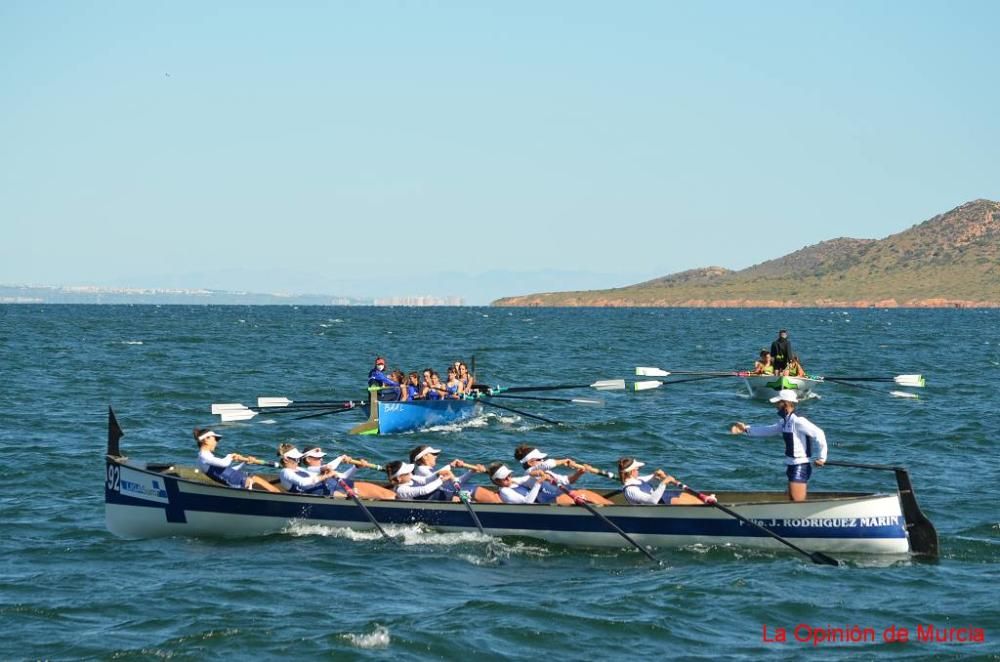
799 433
207 459
300 479
338 474
519 493
411 490
641 490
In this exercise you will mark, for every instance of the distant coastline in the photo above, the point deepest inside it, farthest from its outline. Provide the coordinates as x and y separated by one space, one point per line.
80 294
949 261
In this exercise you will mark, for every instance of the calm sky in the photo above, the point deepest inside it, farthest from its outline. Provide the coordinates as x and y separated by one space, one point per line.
477 148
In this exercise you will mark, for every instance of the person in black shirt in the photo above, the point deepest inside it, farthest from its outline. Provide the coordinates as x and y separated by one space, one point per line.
781 351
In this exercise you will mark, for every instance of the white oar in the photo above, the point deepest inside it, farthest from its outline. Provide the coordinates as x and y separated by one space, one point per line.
646 385
651 372
237 415
601 385
219 408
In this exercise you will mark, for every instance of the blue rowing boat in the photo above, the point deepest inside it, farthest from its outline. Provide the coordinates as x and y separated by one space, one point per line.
396 417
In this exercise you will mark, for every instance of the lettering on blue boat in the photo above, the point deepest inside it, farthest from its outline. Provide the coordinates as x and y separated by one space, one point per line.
141 486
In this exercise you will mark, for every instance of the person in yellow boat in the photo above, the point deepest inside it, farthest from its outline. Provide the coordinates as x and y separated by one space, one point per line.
764 365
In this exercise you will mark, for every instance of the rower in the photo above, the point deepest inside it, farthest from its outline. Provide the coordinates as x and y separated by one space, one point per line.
465 377
297 480
531 458
401 477
413 387
453 387
799 434
794 368
221 469
512 491
641 489
763 366
313 459
424 459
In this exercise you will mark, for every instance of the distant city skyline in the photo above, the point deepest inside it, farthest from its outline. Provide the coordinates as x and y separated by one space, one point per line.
477 150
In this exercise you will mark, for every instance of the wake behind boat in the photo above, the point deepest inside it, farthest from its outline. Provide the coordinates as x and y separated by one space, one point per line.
154 500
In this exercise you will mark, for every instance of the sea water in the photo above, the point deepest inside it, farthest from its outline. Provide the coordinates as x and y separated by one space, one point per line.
72 590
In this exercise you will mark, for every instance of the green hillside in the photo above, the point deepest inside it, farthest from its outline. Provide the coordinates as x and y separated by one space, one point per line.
950 260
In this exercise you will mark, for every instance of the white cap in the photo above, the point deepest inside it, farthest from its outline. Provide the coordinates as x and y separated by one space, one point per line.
427 451
535 454
635 465
501 473
208 433
785 395
293 454
314 452
405 468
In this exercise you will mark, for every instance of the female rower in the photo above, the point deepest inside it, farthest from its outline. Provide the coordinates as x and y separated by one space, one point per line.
794 368
531 458
764 366
465 377
435 391
314 465
641 489
424 459
512 490
413 387
401 477
220 469
453 387
297 480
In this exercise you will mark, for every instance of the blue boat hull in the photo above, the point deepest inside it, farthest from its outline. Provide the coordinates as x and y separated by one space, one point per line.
396 417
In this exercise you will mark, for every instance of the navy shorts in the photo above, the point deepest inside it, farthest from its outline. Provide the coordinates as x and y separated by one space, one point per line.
670 494
799 473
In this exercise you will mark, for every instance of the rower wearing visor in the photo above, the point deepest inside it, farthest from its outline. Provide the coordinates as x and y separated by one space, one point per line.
652 488
512 491
533 459
312 463
221 469
424 459
401 477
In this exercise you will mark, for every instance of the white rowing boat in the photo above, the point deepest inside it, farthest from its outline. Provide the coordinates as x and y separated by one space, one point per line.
154 500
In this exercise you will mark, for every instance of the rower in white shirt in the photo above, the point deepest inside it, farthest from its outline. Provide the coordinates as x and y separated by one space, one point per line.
401 477
221 469
511 491
652 488
424 459
533 459
313 459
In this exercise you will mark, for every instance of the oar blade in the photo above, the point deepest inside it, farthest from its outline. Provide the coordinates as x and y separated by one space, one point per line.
218 408
587 401
273 402
916 381
609 385
822 559
646 385
651 372
237 415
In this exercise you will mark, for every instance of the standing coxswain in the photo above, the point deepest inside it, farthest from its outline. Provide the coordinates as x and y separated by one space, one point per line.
799 434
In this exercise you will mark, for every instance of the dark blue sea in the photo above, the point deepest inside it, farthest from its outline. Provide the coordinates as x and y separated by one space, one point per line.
71 590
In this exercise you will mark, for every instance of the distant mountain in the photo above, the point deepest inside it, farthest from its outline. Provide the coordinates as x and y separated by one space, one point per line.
951 260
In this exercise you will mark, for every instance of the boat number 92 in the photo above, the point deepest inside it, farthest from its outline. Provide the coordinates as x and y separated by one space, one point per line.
114 474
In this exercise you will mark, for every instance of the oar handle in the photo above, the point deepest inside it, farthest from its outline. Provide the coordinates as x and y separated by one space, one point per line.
704 498
479 468
581 466
365 464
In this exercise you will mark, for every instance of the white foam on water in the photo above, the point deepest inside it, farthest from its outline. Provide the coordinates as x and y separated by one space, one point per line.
130 342
377 639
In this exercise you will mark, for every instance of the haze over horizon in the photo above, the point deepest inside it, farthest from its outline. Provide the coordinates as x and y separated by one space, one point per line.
478 151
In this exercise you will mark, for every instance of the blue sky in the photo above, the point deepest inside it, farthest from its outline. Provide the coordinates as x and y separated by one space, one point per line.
477 149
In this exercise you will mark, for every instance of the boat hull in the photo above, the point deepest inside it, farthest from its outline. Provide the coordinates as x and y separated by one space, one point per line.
397 417
141 503
765 387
